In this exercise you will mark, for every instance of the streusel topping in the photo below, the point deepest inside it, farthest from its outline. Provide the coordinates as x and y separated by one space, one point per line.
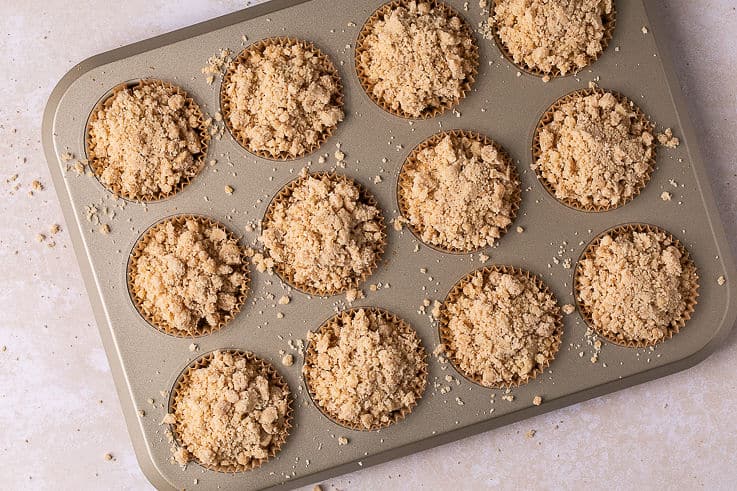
417 58
368 367
284 98
460 193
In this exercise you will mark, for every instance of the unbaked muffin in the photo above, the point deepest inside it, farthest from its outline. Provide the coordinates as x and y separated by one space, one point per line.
188 276
365 368
416 59
553 37
324 233
282 98
459 191
594 150
147 141
636 285
500 326
230 412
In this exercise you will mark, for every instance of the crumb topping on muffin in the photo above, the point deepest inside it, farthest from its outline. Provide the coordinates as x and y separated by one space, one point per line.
552 34
460 193
501 328
190 275
596 151
417 57
284 98
635 285
324 235
229 413
367 367
146 140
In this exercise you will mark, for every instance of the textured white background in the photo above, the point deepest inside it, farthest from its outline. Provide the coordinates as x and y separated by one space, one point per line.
59 413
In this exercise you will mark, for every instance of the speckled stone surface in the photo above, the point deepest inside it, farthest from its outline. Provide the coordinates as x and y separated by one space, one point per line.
59 413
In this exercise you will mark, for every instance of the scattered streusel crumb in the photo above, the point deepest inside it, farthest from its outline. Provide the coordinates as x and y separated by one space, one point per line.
460 193
229 189
189 275
666 196
530 434
595 151
721 280
147 140
667 139
229 412
568 309
416 58
216 65
547 35
537 400
342 440
283 99
502 327
284 300
287 360
108 457
104 229
520 230
367 368
324 234
635 285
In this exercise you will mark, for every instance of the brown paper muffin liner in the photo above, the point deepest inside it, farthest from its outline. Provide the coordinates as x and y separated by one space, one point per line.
310 358
547 118
97 163
608 20
225 105
274 377
285 272
686 263
404 184
445 336
368 86
154 319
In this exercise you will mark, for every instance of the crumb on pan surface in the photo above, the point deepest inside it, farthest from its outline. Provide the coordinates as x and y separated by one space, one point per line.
146 140
550 35
283 97
635 285
460 193
367 367
324 234
189 275
229 413
502 328
417 57
596 151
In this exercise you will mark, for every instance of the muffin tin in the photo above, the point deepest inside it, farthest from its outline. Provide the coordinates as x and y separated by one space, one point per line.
504 104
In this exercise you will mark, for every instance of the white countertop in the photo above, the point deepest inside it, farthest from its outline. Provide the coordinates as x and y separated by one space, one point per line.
59 413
